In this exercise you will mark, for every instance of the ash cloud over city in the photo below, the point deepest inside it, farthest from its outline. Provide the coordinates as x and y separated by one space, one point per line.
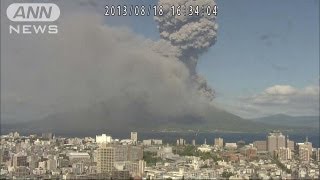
89 63
193 35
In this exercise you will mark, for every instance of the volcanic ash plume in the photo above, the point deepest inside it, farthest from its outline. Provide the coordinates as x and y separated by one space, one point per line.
193 35
107 74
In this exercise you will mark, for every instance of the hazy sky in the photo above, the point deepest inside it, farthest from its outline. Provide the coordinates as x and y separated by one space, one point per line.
265 61
260 44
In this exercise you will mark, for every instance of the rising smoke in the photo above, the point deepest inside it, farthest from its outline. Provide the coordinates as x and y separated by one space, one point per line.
192 35
90 63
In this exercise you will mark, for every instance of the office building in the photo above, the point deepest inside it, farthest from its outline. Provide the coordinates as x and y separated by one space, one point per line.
21 171
231 146
157 141
51 164
47 136
19 160
260 145
136 168
147 142
106 156
249 152
103 139
78 168
78 157
110 155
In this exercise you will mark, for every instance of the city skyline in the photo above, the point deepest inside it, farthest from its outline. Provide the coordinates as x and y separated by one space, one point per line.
104 157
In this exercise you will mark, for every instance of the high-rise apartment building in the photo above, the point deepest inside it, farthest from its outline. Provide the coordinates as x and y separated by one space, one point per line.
284 153
181 142
307 145
304 154
134 137
290 144
106 157
275 140
318 154
218 142
193 142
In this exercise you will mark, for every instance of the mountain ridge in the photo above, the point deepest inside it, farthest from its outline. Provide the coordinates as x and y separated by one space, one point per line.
291 121
96 119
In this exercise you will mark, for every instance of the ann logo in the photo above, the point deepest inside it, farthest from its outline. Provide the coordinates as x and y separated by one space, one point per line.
33 12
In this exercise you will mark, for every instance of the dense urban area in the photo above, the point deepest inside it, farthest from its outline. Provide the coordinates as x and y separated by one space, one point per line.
48 156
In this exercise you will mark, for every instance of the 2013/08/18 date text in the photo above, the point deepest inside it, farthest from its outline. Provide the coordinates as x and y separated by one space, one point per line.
133 10
158 10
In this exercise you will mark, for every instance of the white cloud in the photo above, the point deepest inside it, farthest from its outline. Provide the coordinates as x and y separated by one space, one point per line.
278 99
281 90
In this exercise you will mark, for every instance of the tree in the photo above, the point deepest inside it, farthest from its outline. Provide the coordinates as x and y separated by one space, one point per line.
226 174
150 158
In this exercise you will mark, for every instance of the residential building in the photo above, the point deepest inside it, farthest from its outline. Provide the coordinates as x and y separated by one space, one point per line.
275 140
284 153
218 142
134 137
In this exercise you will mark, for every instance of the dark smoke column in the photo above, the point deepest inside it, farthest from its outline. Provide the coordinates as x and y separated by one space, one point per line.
192 35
